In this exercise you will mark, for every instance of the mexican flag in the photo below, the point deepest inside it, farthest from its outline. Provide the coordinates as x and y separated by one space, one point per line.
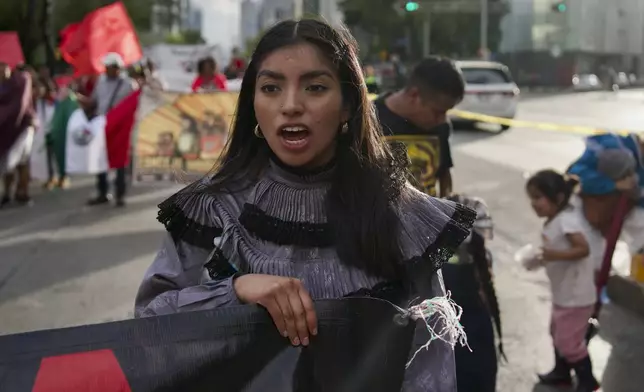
95 145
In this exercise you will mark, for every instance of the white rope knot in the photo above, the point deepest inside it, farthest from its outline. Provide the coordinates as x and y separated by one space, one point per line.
445 325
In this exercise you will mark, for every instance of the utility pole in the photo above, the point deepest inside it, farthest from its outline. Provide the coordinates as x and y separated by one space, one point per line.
47 32
298 9
427 32
485 17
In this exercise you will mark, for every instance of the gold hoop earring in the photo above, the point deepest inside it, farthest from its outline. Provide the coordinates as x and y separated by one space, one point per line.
345 128
257 132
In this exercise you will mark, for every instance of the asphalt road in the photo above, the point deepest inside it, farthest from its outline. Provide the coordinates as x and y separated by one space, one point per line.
63 264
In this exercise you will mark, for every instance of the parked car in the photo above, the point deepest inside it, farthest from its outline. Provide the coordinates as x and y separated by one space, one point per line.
489 90
586 82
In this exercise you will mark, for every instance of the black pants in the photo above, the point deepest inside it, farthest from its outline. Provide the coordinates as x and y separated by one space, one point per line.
476 370
51 162
103 187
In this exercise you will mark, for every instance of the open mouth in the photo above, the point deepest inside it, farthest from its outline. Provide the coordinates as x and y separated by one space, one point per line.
295 137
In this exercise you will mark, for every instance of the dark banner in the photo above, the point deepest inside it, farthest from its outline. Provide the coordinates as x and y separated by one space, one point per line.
361 346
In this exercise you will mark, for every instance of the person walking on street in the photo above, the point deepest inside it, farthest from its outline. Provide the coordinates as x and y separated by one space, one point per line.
209 79
17 122
111 88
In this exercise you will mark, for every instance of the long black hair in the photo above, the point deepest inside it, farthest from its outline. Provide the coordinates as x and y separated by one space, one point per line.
554 186
369 179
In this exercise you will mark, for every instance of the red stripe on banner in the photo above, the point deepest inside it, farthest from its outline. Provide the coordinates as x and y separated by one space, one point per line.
95 371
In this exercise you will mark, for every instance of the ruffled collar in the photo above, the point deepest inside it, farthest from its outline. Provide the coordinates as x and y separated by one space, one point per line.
287 206
295 176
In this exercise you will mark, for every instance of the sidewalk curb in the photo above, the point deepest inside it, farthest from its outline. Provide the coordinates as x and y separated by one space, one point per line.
626 293
544 91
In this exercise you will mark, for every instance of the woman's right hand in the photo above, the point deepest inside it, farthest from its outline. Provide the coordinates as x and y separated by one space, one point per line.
288 303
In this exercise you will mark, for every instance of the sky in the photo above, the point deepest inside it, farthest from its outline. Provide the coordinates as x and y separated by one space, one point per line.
221 22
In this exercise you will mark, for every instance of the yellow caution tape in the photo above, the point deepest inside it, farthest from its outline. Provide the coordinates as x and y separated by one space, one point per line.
582 130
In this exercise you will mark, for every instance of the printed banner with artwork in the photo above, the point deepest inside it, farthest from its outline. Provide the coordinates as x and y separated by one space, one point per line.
183 135
424 154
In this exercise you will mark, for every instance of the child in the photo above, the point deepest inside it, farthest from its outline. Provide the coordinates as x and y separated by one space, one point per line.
565 254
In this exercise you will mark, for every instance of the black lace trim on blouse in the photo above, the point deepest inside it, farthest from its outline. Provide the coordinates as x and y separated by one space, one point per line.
218 266
182 228
392 291
280 232
448 241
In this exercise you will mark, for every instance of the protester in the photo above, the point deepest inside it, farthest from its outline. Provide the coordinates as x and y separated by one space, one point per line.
111 88
43 159
399 70
66 106
610 166
85 85
45 79
468 276
236 66
209 78
420 108
565 254
371 80
153 78
308 203
17 131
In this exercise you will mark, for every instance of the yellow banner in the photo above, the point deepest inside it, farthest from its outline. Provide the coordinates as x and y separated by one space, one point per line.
184 133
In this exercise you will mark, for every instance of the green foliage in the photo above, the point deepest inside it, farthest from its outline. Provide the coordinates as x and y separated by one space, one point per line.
70 11
25 16
251 44
188 37
386 22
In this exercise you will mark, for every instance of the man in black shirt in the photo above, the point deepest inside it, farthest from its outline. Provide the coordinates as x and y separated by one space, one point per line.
417 115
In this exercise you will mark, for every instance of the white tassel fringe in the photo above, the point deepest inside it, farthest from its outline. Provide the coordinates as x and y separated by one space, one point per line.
446 314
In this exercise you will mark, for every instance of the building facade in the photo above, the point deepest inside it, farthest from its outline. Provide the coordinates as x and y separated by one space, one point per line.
250 20
273 11
193 17
586 36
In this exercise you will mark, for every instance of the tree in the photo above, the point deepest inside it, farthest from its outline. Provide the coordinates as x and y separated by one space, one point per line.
70 11
21 16
451 34
31 20
47 39
187 37
377 18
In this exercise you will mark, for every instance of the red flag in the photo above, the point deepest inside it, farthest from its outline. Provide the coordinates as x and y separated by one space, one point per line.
62 81
108 29
10 49
118 130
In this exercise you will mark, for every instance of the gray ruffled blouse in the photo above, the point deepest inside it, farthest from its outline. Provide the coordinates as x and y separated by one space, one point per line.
277 225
